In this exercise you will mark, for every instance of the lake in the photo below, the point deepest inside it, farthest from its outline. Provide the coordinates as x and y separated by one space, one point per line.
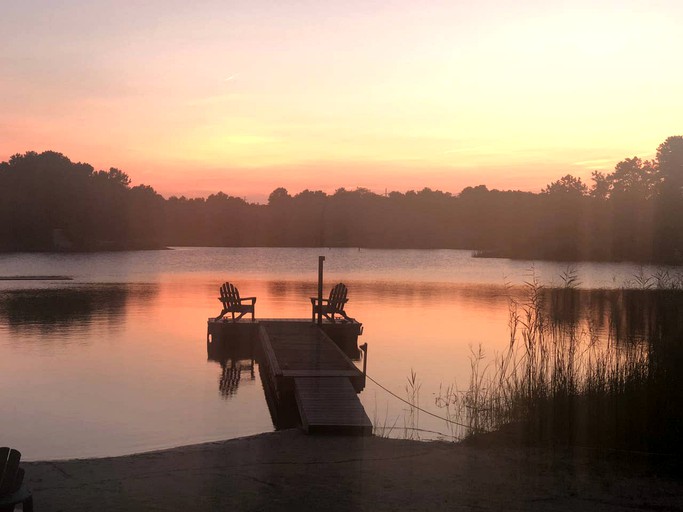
114 361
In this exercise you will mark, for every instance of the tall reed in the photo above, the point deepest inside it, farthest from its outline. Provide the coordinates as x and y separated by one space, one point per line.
576 373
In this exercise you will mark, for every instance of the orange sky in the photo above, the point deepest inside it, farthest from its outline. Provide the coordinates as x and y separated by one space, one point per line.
246 96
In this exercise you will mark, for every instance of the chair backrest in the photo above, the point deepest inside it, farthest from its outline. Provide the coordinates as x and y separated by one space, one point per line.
9 468
230 296
338 297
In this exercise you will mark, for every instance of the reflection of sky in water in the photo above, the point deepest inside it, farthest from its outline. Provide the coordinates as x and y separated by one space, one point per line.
102 366
294 264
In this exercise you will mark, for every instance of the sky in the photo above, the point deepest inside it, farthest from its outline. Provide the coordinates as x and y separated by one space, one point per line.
243 96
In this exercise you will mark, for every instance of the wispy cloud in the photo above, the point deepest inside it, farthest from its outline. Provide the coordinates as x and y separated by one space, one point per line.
599 162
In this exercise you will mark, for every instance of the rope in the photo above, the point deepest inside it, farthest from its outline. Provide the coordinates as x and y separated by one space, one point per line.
422 430
416 407
467 426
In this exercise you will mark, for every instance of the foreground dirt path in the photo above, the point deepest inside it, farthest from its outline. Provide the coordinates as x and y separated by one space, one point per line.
290 471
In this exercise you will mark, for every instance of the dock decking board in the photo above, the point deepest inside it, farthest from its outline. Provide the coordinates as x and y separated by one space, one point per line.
303 346
330 405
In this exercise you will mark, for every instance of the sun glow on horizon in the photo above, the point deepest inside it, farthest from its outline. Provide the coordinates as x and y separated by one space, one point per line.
254 95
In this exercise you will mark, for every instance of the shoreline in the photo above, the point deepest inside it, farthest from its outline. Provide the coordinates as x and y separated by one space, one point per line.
474 253
289 470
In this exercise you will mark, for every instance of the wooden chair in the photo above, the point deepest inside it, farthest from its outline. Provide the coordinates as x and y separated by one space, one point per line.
332 306
232 303
11 477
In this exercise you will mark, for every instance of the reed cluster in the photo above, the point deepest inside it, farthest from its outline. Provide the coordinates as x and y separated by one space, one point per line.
583 369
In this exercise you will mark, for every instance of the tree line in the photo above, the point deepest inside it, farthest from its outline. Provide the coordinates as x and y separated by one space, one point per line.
634 213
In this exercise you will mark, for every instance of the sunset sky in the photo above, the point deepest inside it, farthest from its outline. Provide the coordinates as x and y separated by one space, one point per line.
245 96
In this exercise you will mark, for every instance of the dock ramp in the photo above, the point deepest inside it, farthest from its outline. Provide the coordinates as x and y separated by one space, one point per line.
329 405
303 363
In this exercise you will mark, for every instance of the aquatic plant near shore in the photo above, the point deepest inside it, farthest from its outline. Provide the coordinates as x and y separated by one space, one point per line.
611 378
411 414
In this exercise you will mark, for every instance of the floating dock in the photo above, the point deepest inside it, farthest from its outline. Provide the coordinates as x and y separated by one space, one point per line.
305 368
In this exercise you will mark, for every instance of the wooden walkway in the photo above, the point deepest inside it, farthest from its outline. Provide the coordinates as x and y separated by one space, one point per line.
304 364
330 405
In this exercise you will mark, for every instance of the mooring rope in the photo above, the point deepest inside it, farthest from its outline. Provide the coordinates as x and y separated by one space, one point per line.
416 406
618 450
415 429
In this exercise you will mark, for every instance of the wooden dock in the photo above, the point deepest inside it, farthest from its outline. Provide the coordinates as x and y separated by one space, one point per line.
304 364
307 372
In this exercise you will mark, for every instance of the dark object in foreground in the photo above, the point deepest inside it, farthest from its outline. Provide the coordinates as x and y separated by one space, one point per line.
332 306
232 303
288 470
11 477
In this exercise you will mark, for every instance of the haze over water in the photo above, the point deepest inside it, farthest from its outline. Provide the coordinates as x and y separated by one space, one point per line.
115 362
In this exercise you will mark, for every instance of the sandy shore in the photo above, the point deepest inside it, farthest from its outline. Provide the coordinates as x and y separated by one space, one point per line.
288 470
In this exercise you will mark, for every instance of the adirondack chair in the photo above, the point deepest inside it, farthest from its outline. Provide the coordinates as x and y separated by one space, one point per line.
11 477
332 306
232 303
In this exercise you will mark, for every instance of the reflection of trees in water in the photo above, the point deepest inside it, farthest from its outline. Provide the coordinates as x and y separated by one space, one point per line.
591 368
47 309
622 315
394 292
231 374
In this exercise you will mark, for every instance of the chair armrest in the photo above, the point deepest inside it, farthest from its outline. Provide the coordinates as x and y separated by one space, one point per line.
253 299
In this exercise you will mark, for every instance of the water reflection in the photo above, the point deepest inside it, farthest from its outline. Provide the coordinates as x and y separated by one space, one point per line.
238 353
137 348
48 309
236 358
232 373
620 315
398 292
300 290
601 368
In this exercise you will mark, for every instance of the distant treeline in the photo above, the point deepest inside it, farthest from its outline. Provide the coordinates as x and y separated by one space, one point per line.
634 213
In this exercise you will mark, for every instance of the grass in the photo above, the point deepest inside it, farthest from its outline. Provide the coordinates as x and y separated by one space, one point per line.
382 427
583 369
411 414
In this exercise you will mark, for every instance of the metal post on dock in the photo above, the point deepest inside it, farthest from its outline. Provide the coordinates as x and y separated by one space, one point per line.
321 259
364 348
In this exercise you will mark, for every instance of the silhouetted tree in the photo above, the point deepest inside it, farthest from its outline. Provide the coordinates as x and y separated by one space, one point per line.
115 176
634 212
633 177
669 216
46 194
278 196
601 185
567 184
670 164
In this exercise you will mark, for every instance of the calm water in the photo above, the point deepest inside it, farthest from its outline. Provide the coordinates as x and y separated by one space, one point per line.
114 361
